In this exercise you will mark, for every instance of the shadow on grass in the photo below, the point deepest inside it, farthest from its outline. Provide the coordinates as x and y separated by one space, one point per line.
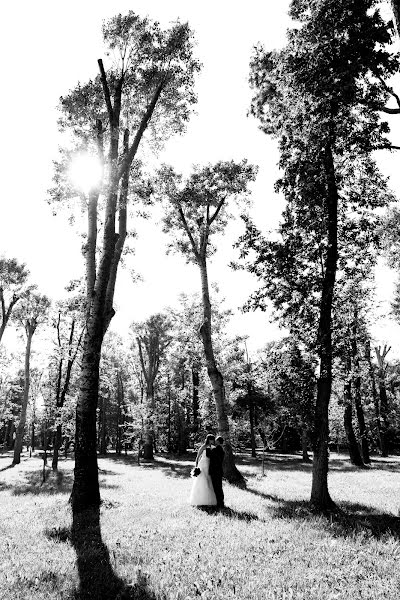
56 482
175 467
229 513
349 519
97 579
11 466
294 462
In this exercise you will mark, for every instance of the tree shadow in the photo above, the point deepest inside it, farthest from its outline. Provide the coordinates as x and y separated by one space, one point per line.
56 482
350 518
294 462
97 578
11 466
175 467
5 486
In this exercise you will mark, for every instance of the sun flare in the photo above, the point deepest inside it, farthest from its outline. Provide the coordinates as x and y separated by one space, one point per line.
85 172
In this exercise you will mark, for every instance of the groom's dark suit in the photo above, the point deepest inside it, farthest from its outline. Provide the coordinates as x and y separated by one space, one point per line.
216 456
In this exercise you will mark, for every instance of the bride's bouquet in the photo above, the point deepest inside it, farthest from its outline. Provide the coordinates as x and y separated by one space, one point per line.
195 472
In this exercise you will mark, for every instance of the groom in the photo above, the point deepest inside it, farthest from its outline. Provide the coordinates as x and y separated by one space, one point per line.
216 455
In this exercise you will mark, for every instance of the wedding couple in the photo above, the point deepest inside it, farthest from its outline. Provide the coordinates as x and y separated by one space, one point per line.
207 486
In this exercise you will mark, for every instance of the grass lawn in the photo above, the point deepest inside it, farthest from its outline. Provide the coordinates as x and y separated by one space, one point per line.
148 543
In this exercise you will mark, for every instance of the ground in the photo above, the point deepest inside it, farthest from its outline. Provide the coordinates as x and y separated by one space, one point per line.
148 543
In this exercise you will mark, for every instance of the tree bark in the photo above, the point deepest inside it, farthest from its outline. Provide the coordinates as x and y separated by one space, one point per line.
231 473
320 496
85 491
21 425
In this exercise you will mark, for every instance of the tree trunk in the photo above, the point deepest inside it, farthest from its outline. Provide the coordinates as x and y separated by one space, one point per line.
357 393
120 402
148 428
383 400
304 444
361 420
231 473
383 422
195 399
354 451
169 443
56 447
320 497
102 426
85 491
251 419
374 391
33 437
21 425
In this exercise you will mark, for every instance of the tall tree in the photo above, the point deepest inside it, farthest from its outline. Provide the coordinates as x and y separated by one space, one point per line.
320 97
31 313
13 277
152 338
197 211
146 94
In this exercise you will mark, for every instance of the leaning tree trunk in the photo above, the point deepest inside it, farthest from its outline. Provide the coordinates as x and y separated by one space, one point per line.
231 473
320 497
21 425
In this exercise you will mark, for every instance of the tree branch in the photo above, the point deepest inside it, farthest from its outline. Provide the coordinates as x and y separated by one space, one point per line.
217 210
122 232
187 229
127 160
391 92
390 111
106 91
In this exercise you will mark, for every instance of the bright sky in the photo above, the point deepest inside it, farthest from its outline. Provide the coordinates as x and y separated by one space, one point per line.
46 48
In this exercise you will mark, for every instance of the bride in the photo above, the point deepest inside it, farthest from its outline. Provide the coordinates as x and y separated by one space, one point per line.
202 493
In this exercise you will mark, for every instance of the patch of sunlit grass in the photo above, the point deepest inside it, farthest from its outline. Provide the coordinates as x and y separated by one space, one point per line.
267 545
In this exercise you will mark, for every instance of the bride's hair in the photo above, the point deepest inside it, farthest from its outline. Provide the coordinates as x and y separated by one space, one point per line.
210 438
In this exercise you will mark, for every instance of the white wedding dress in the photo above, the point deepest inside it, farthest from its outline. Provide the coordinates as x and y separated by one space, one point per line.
202 493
